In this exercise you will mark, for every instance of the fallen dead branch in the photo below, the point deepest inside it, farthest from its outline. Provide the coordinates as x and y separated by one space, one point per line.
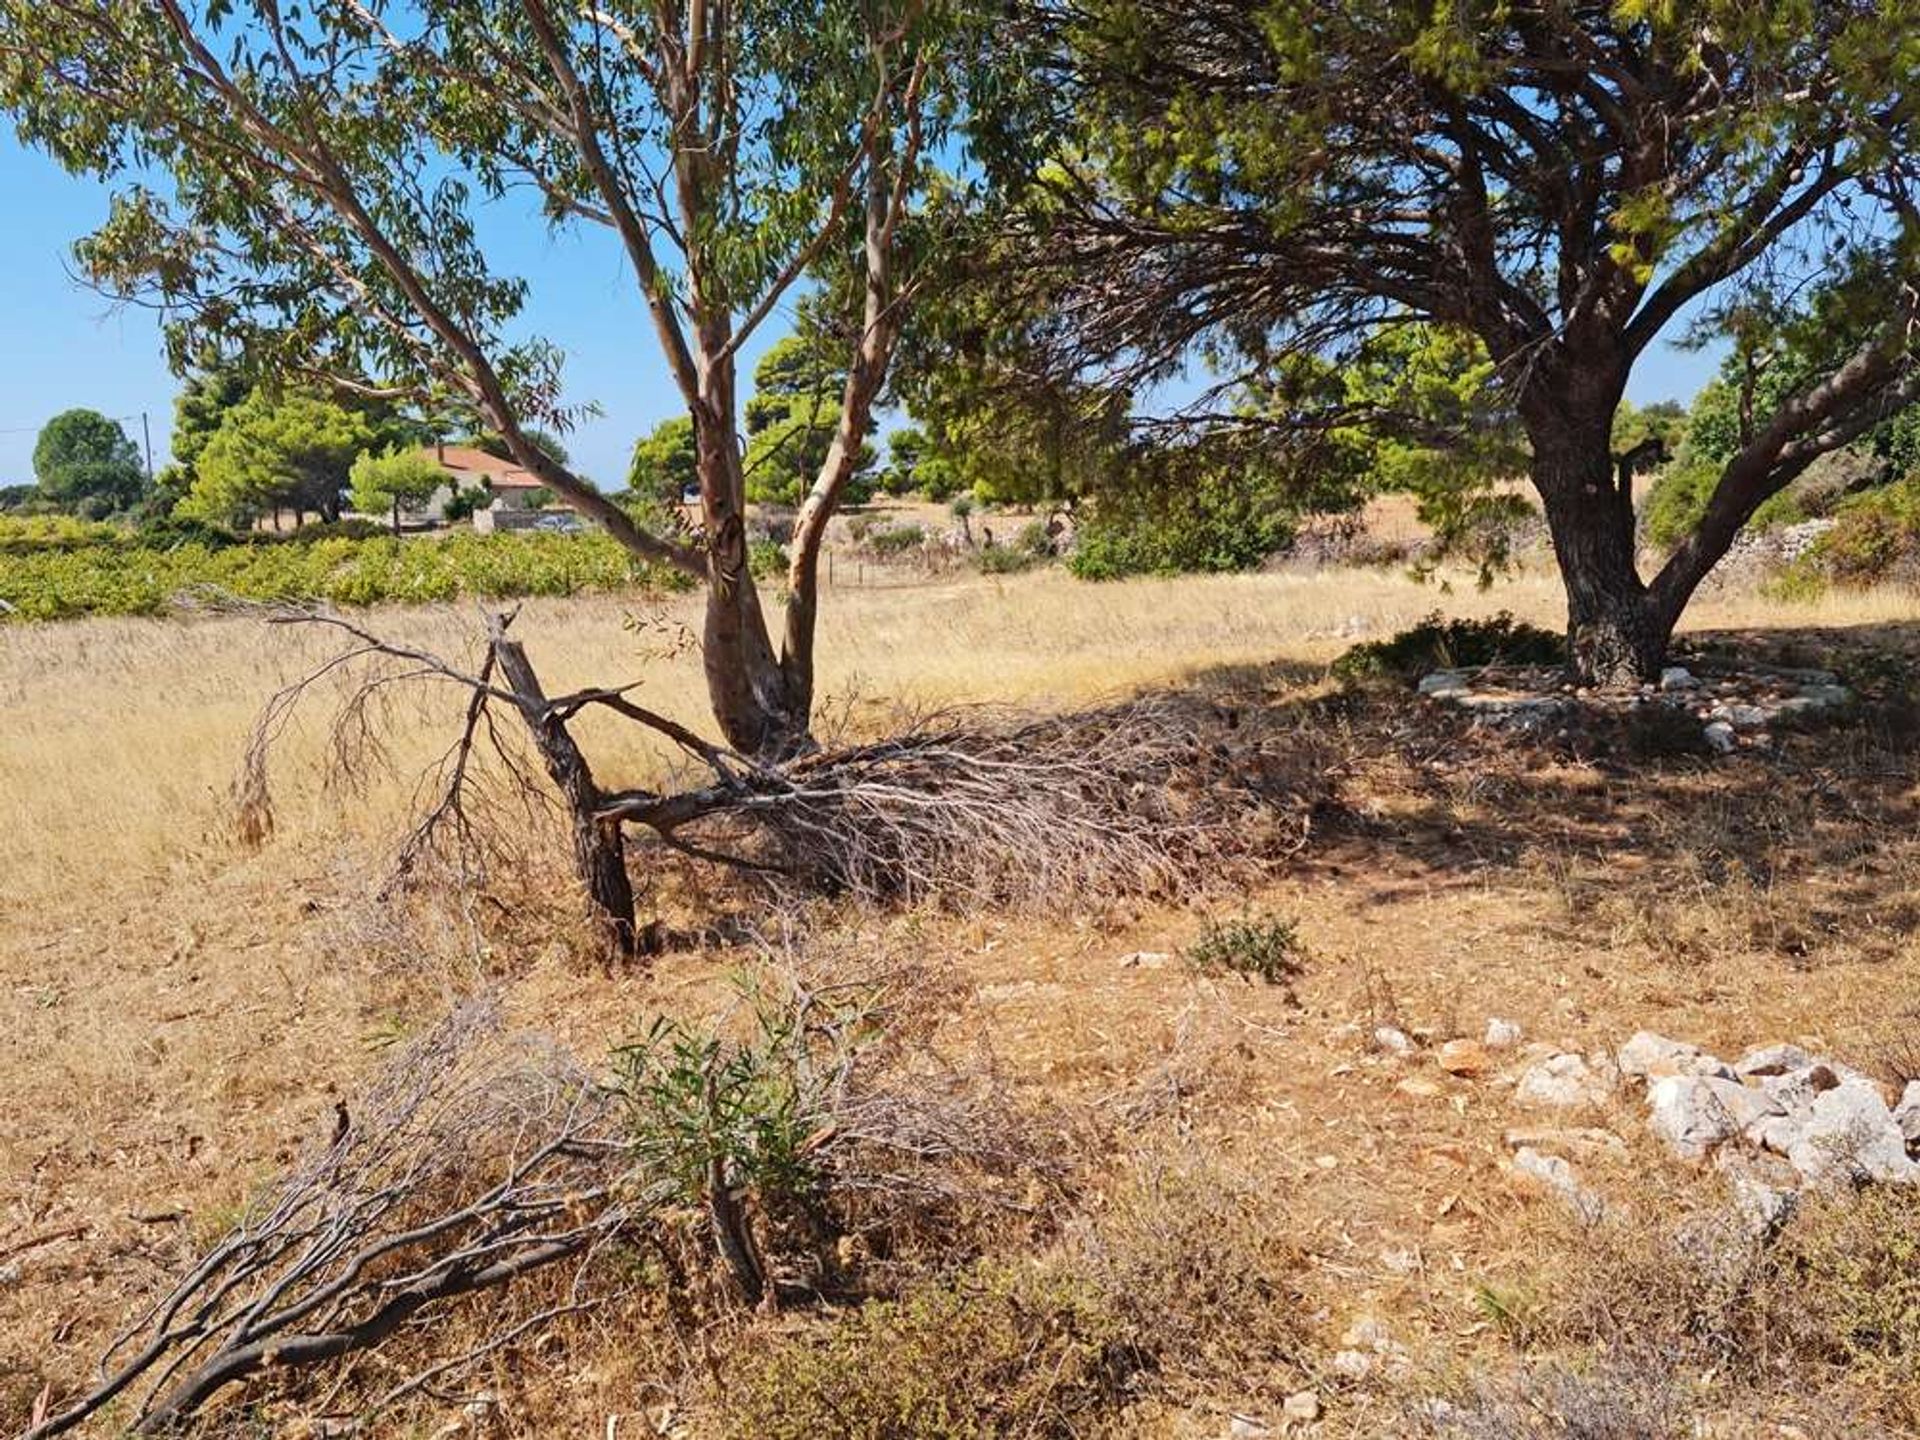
481 1159
476 1161
963 807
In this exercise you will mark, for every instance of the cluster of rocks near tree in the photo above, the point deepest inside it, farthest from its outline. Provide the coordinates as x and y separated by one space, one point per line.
1737 706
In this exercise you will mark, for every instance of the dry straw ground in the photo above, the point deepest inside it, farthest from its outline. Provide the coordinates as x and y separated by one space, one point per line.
180 1014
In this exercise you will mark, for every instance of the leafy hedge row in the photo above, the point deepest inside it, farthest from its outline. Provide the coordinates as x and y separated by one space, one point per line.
113 574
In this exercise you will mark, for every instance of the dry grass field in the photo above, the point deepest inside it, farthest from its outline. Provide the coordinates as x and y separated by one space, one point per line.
1231 1184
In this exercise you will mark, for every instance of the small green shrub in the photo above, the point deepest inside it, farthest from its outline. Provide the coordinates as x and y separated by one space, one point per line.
1030 546
1004 560
1436 643
1847 1282
698 1105
1182 1279
1830 1300
889 541
1875 539
766 559
1264 947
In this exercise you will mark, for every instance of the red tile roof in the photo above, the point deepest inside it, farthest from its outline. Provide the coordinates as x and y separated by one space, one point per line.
467 464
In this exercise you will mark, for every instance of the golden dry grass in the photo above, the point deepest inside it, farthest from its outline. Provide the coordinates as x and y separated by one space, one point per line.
180 1010
123 734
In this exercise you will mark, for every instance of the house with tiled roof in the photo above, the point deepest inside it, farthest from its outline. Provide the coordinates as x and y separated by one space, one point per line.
515 490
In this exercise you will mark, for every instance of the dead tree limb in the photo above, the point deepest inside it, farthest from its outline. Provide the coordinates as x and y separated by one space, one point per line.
965 806
477 1160
599 848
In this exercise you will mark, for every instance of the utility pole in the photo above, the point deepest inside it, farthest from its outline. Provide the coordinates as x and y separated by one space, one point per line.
146 436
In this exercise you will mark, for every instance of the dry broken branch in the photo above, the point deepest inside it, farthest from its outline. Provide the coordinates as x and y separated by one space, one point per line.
478 1159
965 806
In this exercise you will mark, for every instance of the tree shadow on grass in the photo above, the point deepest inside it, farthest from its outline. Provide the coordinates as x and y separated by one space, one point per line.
1802 847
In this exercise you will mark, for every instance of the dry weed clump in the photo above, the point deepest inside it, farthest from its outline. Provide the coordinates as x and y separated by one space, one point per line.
477 1159
1822 1311
786 1150
956 808
1183 1278
1615 1399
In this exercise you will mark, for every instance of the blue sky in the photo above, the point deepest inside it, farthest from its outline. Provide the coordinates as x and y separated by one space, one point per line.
61 345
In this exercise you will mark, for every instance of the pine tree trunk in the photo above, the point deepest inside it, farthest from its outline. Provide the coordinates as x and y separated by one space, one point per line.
1616 634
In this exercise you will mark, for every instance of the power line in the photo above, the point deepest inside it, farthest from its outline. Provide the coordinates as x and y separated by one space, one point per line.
36 429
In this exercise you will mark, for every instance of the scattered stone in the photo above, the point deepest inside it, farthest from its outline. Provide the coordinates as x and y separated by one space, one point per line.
1562 1081
1400 1262
1302 1405
1764 1208
1392 1038
1648 1056
1418 1088
1850 1133
1588 1141
1353 1364
1369 1333
1825 694
1907 1113
1444 684
1502 1034
1466 1058
1245 1427
1795 1091
1736 703
1556 1176
1145 960
1771 1060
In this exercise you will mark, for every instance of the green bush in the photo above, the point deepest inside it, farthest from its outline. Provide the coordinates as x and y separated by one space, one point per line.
1440 644
766 559
1677 499
999 1350
1875 538
1209 525
888 541
1182 1280
1264 947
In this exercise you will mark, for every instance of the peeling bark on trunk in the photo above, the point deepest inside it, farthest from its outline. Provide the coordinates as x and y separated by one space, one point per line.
752 701
599 850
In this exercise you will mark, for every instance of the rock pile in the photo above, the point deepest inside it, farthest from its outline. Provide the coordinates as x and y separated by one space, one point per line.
1829 1121
1736 706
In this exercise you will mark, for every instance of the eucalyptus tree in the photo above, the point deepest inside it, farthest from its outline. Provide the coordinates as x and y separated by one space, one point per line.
1569 182
314 185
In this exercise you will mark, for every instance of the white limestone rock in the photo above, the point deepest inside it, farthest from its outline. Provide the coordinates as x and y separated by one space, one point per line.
1907 1113
1772 1060
1849 1133
1564 1081
1648 1056
1502 1034
1696 1113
